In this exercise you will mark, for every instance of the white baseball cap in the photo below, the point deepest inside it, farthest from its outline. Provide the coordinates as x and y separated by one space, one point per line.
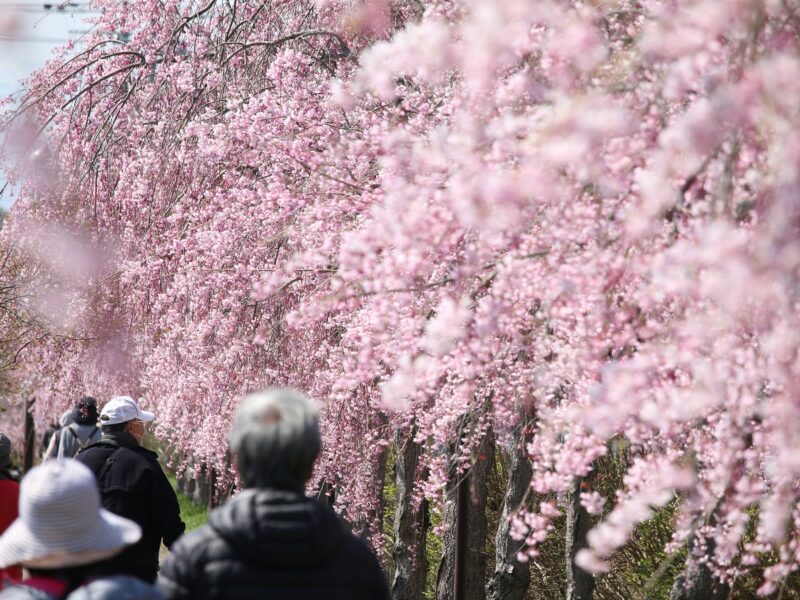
121 409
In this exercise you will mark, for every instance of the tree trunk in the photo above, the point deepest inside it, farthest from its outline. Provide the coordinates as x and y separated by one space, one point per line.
470 572
697 582
410 525
326 494
580 584
199 488
511 578
212 484
30 436
368 526
445 577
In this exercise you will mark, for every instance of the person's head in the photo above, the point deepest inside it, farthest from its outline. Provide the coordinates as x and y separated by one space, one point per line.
61 527
276 439
122 413
86 411
5 452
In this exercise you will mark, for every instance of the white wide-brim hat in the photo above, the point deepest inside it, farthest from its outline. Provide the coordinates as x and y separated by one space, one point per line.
60 521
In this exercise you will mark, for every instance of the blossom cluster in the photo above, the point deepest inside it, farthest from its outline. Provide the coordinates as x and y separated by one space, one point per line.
442 218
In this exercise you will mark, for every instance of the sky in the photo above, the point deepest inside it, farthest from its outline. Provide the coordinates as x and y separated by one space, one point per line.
29 31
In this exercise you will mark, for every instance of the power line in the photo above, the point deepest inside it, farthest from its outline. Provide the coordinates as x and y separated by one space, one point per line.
88 11
33 40
45 5
48 11
68 8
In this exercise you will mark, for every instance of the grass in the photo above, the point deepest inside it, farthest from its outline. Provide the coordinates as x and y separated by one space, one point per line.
192 514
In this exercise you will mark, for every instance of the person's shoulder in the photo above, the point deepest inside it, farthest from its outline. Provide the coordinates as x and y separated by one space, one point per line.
97 450
135 461
141 453
145 459
23 592
119 587
357 558
356 553
129 454
197 548
197 542
153 456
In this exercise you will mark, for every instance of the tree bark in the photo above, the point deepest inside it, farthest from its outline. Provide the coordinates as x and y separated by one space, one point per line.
474 536
445 576
30 436
367 526
697 582
580 584
198 488
410 525
202 487
511 578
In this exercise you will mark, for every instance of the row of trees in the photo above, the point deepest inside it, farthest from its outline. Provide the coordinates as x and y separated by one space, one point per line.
516 232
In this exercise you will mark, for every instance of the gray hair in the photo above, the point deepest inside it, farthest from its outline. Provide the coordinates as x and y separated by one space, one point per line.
276 439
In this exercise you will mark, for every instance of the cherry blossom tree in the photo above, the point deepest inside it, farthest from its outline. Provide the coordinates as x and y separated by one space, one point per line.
551 227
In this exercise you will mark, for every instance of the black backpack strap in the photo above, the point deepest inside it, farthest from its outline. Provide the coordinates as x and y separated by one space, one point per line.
82 444
109 463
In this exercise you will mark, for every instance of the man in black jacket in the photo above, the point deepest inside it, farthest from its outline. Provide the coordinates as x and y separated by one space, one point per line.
271 541
133 485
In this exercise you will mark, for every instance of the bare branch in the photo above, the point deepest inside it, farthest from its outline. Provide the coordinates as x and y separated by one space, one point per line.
244 46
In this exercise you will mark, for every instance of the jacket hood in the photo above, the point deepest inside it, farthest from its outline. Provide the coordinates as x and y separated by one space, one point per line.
278 529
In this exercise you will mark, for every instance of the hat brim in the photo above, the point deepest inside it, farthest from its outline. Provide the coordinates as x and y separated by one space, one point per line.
146 415
112 533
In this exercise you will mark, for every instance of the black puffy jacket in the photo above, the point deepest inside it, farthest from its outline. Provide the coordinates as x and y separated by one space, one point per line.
275 545
134 486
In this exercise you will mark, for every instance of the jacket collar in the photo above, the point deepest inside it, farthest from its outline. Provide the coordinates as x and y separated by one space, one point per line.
120 438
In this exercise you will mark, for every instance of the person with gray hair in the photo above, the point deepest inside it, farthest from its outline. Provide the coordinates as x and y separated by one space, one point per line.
270 540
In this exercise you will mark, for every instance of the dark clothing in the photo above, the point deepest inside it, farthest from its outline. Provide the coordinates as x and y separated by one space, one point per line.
134 486
272 544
